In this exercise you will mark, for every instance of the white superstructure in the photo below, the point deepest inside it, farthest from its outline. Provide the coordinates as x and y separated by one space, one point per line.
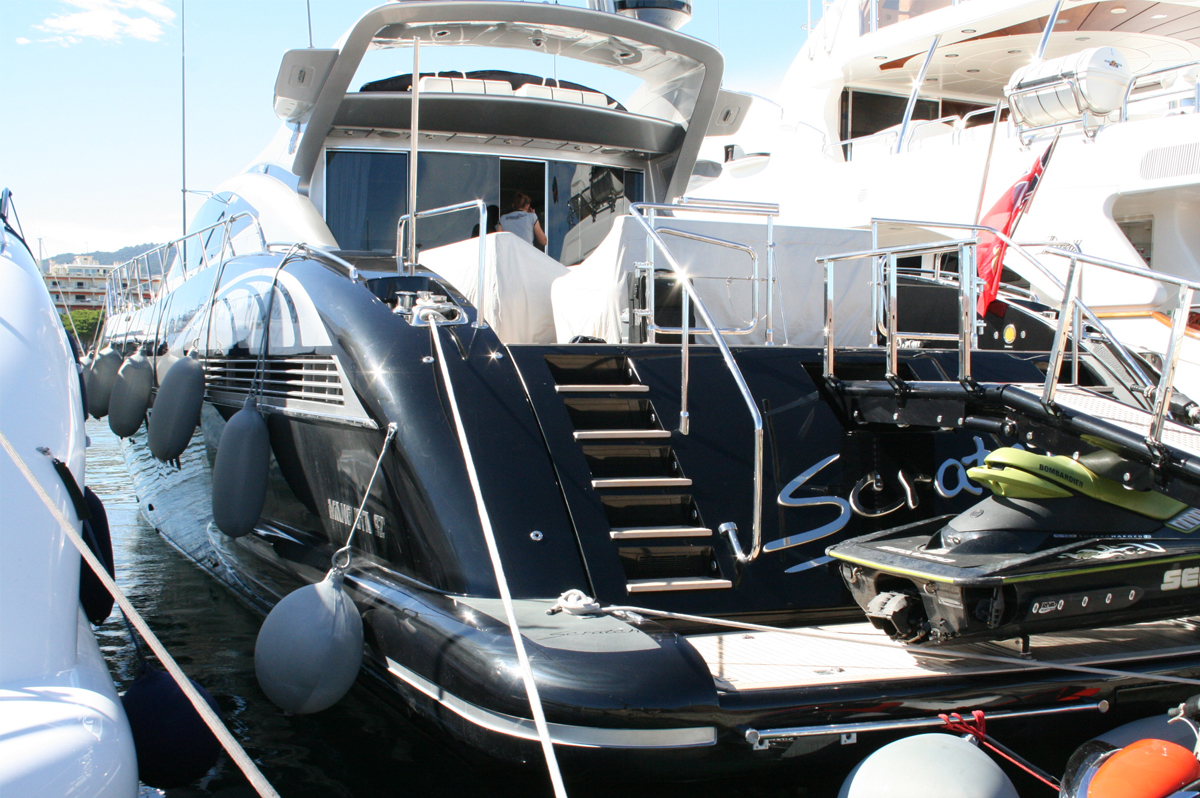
887 112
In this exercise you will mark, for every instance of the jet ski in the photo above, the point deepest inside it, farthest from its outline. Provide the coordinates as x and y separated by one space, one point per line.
1057 546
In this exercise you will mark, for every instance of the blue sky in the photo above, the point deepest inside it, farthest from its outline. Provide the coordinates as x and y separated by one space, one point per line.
90 145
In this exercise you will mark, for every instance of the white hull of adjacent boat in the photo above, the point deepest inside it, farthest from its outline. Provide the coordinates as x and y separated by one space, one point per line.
63 731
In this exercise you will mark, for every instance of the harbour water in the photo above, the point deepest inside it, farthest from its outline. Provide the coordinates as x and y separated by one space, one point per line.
360 748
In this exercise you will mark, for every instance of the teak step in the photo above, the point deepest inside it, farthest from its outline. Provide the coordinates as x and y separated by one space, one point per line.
641 482
684 583
602 388
636 532
619 434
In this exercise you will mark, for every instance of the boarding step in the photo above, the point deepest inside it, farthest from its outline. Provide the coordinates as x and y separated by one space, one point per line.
639 532
633 465
620 434
601 418
609 483
601 388
590 372
645 510
669 585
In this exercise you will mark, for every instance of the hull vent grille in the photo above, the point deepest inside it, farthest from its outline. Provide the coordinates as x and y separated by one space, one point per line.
310 378
1166 162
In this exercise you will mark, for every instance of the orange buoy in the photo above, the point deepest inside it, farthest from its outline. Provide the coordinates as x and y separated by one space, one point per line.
1145 769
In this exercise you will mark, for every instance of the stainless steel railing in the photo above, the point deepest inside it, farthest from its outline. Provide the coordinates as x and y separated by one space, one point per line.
126 279
479 205
654 242
1193 93
1162 391
1144 383
885 273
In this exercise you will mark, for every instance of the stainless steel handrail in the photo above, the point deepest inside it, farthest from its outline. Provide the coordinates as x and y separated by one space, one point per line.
117 283
654 241
479 205
1118 348
1164 93
1071 300
720 242
966 292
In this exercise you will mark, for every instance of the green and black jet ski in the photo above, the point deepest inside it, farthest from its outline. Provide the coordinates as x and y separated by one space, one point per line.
1056 547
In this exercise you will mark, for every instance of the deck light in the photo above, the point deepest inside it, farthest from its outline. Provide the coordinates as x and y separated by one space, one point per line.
1117 10
968 30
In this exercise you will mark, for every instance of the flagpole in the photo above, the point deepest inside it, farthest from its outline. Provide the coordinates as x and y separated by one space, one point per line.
987 164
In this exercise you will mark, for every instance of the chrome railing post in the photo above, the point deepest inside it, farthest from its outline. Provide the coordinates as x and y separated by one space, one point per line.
685 348
877 324
1065 315
916 90
770 281
1162 396
966 311
651 318
893 357
829 317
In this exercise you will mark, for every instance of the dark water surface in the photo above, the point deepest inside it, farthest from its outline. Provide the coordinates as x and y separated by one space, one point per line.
359 748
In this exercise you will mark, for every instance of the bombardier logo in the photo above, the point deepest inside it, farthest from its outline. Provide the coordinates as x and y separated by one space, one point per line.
1178 578
1064 476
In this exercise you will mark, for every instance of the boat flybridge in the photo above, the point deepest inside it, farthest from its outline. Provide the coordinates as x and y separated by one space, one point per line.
931 110
581 493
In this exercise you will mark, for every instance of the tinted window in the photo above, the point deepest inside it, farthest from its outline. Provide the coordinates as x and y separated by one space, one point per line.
365 195
445 178
584 202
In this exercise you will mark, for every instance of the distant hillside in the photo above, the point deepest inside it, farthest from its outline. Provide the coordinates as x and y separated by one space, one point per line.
105 258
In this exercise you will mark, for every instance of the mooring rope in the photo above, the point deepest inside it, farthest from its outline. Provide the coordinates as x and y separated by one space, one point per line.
346 550
231 745
535 700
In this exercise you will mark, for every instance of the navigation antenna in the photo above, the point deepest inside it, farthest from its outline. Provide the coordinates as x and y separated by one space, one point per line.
412 158
183 110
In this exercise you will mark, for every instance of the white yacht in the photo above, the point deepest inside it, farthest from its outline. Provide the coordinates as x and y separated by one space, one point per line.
888 112
63 731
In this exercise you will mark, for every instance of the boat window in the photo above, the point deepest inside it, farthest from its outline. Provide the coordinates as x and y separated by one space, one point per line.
447 178
365 195
583 202
878 14
864 113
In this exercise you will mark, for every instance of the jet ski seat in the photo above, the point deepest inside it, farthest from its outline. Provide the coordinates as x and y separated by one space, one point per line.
1019 474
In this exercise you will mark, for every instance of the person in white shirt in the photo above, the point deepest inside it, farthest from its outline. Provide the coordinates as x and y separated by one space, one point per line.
522 221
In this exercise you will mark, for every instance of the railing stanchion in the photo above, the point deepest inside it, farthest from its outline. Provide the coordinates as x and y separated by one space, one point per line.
1162 396
1065 315
652 319
770 281
966 311
829 317
893 357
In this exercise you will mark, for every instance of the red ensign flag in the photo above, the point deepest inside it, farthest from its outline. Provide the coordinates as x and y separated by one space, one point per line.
1003 217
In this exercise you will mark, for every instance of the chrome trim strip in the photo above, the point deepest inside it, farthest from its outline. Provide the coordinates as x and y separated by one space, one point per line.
619 434
758 738
635 532
641 482
578 736
620 388
683 583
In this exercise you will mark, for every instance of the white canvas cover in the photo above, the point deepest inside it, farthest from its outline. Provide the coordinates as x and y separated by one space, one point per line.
516 284
593 297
